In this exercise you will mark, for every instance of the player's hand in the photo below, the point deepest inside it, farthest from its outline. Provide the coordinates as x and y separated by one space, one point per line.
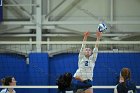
98 35
86 33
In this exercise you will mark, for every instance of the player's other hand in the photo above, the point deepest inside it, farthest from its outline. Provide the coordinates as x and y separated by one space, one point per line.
86 33
98 34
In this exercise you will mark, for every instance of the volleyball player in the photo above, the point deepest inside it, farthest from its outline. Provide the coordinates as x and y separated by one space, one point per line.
126 85
8 81
87 58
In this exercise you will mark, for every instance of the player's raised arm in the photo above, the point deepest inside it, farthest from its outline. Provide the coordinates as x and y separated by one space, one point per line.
95 50
98 37
86 34
101 28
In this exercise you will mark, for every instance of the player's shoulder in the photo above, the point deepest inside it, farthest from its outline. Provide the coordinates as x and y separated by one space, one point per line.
130 84
95 49
126 86
14 91
121 88
130 81
3 91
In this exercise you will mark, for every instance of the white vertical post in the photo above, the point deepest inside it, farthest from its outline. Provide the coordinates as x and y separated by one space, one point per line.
38 25
47 19
111 11
48 45
27 61
30 46
48 9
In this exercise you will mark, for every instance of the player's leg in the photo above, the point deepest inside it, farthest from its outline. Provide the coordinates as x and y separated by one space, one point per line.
90 90
80 91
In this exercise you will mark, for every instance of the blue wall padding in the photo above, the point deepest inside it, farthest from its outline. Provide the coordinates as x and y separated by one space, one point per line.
14 65
107 68
39 71
43 70
62 63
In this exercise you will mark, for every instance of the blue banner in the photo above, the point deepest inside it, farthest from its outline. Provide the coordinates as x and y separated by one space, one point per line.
1 11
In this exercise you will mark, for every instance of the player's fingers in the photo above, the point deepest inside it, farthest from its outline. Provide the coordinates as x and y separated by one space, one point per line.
86 33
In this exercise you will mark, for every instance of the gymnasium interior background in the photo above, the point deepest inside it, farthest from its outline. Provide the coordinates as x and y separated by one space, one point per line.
27 21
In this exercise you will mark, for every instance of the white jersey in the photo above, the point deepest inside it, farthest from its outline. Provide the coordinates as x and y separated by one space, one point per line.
6 91
86 66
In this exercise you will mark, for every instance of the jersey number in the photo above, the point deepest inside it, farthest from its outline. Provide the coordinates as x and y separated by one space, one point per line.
86 63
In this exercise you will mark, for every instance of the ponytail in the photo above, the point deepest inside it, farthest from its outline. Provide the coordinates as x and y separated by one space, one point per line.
126 74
